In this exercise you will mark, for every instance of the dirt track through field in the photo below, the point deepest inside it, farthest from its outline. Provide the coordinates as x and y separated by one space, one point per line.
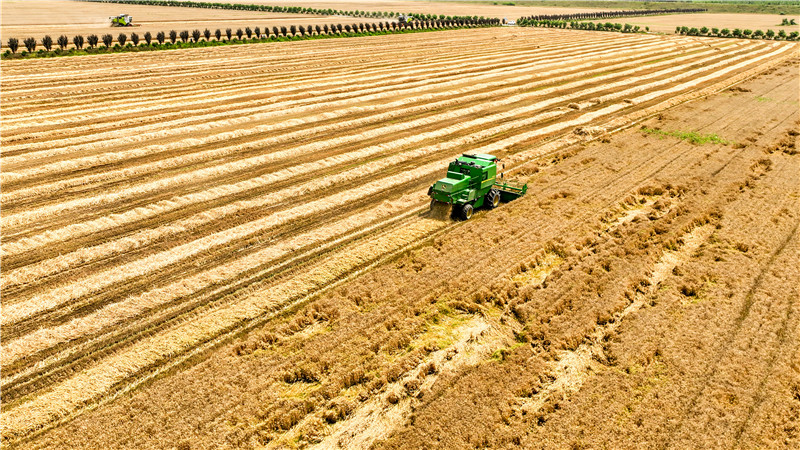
127 252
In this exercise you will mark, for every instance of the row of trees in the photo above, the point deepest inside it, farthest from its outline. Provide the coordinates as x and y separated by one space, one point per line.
252 34
608 26
738 33
286 9
611 14
628 28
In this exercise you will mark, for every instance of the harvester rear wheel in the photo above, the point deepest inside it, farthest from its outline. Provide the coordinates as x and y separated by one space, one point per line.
466 211
492 198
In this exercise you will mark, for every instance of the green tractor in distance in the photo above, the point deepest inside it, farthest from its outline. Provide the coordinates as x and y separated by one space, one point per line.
122 20
471 182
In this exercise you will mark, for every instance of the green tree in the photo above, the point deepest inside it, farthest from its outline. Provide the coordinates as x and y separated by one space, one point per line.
77 40
92 40
107 40
63 42
47 43
13 44
30 44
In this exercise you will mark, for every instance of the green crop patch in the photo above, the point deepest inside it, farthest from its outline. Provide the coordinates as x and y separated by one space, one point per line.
691 136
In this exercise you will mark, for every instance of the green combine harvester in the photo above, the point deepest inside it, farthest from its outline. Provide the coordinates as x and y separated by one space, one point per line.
471 182
122 20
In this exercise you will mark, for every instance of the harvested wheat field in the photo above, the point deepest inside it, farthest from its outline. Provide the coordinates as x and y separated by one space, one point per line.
230 247
668 22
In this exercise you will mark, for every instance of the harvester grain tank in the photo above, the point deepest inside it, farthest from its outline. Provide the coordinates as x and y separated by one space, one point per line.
471 183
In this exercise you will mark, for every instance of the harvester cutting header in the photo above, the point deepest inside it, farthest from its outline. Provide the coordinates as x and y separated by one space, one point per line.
471 182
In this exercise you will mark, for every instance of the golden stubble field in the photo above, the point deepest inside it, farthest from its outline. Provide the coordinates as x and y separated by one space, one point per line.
229 246
667 23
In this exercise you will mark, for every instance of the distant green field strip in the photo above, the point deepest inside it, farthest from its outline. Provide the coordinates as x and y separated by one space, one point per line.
691 136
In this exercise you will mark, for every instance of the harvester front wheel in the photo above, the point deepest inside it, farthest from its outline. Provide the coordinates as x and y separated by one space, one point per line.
466 211
492 198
